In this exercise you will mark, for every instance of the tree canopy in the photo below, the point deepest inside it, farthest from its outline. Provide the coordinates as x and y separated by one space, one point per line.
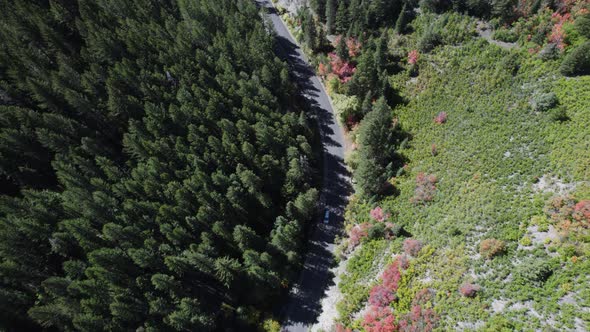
156 175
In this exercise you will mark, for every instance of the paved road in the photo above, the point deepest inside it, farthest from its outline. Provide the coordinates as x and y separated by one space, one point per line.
304 303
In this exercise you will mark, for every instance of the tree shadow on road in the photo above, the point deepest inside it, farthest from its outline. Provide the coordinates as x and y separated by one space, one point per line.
304 303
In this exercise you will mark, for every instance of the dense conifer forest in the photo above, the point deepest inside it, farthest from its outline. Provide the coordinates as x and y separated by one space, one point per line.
155 174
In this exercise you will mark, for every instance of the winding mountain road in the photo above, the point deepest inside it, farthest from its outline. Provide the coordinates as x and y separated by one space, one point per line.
304 303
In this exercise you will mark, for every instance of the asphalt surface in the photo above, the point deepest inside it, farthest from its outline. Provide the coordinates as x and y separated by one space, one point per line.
304 303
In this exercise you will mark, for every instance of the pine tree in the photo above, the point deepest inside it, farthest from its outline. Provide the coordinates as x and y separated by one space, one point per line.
376 139
342 21
405 16
319 8
310 31
342 49
367 103
331 16
381 52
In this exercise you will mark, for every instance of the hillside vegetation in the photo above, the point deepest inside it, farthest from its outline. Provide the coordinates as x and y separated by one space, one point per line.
156 172
478 219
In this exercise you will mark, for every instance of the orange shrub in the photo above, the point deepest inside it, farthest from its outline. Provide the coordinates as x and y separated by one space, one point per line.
489 248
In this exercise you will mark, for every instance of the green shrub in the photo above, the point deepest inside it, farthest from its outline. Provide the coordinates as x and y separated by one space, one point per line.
549 52
577 62
511 63
377 231
435 6
347 108
505 35
526 241
479 8
535 271
271 325
504 9
567 250
582 25
429 40
558 114
542 102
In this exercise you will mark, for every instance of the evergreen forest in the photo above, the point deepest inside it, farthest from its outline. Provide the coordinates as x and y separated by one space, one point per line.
156 172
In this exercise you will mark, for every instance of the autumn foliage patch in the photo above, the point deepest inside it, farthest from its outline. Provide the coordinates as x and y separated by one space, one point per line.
379 319
441 118
413 57
381 296
357 233
568 214
557 35
582 211
425 188
342 328
469 290
412 247
419 319
337 67
489 248
354 46
392 274
378 214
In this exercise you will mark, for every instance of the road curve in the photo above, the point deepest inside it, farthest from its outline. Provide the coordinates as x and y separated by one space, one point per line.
304 303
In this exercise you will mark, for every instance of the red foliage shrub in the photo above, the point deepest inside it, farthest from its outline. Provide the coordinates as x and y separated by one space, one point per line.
469 290
381 296
357 233
422 297
344 70
582 211
557 35
413 57
378 214
560 208
412 247
489 248
441 118
342 328
323 70
379 319
354 46
404 263
351 121
391 230
418 320
392 274
425 188
567 213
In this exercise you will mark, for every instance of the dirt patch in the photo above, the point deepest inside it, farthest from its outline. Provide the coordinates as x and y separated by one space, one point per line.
552 184
333 295
292 6
499 305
